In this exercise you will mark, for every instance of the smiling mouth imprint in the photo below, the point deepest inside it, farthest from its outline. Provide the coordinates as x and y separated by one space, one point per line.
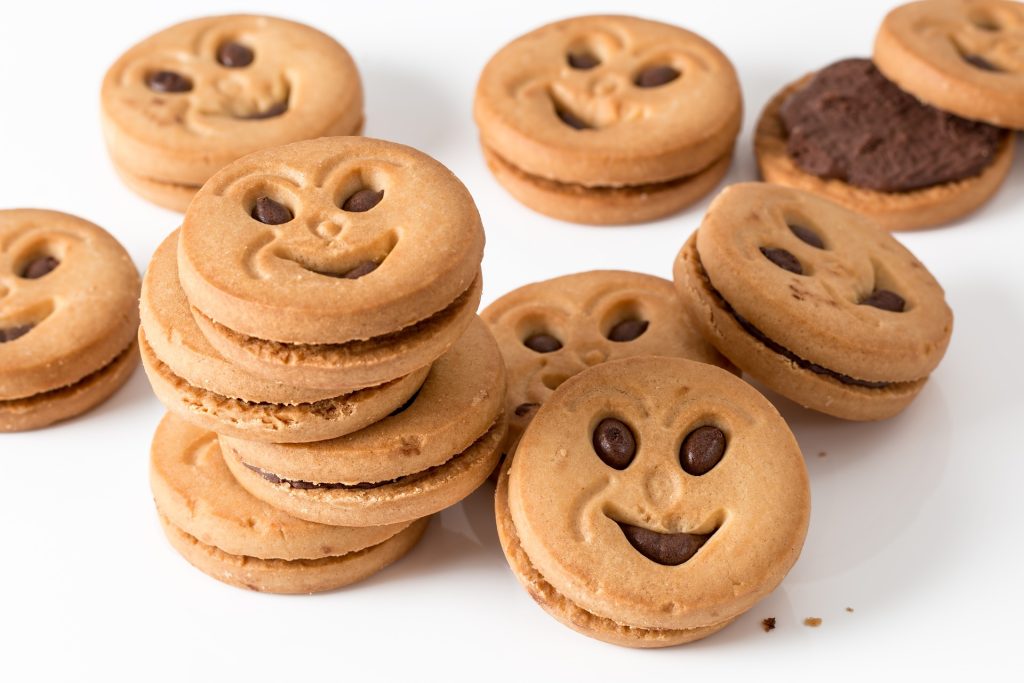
667 549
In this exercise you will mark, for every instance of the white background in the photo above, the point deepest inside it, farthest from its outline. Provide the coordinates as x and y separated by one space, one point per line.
916 521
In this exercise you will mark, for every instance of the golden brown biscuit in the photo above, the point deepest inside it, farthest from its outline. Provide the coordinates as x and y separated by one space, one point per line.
68 313
923 208
814 300
652 501
188 100
626 115
552 330
962 56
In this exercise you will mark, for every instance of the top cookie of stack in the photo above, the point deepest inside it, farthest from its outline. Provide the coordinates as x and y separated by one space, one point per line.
337 263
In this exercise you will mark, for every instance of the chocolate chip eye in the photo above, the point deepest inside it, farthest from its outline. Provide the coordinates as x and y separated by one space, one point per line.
524 409
363 200
614 443
701 450
582 60
11 333
628 330
168 81
270 112
234 55
364 268
980 62
266 210
807 235
783 259
885 300
38 267
653 76
542 343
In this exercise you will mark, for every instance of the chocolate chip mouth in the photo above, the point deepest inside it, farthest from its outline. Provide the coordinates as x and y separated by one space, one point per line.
775 346
668 549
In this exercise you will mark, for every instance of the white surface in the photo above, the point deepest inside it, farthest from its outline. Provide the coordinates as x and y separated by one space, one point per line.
915 524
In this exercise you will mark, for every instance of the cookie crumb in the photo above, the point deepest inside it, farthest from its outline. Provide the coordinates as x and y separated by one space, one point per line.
822 454
849 609
813 622
768 624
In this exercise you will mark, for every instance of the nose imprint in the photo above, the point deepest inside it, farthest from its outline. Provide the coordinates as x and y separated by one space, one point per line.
606 86
662 488
593 357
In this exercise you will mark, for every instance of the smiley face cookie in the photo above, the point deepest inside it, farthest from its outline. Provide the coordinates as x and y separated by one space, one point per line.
652 501
199 385
68 315
235 538
427 456
962 57
332 262
608 119
188 100
814 300
552 330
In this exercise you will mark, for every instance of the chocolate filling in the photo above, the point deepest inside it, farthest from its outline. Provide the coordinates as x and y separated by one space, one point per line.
852 124
779 348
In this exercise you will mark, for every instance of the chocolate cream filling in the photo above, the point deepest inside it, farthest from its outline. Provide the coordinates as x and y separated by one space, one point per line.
850 123
779 348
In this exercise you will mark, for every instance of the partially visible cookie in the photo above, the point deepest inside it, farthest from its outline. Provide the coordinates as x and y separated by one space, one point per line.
190 99
905 164
68 314
238 539
608 119
652 501
425 457
552 330
962 57
814 300
194 381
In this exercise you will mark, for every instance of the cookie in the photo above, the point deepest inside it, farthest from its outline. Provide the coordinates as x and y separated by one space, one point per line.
187 101
962 57
240 540
904 163
608 119
198 384
332 261
814 301
68 314
652 501
424 458
550 331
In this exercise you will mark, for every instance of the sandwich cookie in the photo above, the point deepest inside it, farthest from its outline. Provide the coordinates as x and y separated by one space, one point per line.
652 501
549 331
68 315
235 538
332 262
852 136
200 386
194 97
608 119
424 458
814 300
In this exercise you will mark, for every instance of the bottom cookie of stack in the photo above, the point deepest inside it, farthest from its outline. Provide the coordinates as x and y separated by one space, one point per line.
225 532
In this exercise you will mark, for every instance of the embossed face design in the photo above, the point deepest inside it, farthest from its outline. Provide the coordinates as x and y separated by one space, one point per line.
552 330
987 35
31 256
801 270
663 478
232 77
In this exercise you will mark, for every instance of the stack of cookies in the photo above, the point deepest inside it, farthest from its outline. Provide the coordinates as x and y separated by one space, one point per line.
312 329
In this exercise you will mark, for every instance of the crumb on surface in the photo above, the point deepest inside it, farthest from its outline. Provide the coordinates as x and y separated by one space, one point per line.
822 454
813 622
768 624
849 609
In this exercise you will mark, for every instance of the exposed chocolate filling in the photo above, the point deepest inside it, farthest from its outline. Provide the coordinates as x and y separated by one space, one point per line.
779 348
850 123
306 485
